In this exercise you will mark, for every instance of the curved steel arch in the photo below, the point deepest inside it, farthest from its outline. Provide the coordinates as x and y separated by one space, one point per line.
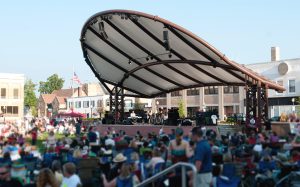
190 62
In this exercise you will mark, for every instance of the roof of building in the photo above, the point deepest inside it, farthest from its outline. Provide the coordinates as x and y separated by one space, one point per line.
48 98
64 92
61 100
149 56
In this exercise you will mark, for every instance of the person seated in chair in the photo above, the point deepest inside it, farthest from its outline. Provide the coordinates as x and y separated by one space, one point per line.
71 179
125 178
5 177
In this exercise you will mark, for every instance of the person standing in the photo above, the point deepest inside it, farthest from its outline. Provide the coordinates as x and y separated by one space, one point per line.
78 127
203 158
34 134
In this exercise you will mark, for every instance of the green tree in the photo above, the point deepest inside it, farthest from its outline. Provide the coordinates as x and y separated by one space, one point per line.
30 99
54 82
181 109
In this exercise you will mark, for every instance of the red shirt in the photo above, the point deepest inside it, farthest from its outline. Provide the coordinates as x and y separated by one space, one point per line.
252 140
34 135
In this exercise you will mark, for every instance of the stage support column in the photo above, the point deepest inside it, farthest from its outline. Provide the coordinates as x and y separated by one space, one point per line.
116 104
110 102
221 102
266 91
242 100
201 98
122 105
251 105
184 99
260 105
169 105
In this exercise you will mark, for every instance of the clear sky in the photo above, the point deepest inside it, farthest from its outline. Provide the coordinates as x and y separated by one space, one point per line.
39 38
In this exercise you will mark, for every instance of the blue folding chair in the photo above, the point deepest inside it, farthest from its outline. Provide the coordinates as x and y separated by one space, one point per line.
225 182
158 167
127 182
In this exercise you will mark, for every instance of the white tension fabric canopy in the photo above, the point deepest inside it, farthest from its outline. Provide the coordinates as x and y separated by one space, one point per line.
149 56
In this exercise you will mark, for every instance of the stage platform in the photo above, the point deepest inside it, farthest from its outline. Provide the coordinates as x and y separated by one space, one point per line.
146 128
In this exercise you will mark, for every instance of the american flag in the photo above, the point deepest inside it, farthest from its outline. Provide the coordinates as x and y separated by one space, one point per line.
76 79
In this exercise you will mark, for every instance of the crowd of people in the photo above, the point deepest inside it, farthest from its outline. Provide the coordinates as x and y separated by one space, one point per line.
83 156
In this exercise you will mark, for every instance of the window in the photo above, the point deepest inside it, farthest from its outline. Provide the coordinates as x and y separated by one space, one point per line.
10 110
212 109
92 103
191 111
15 110
3 93
280 82
16 93
71 104
211 90
193 91
78 104
231 89
99 103
176 93
162 95
86 104
292 86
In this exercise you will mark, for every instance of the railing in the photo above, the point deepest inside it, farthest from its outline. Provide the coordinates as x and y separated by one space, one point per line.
295 174
183 167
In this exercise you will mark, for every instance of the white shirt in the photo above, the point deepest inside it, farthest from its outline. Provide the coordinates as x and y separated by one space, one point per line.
109 142
154 161
214 119
72 181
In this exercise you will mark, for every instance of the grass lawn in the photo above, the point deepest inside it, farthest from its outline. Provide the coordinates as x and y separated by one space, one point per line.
42 137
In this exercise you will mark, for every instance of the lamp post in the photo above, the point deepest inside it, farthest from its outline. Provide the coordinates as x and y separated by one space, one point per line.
4 113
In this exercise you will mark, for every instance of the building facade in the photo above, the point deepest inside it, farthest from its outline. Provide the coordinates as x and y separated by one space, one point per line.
287 74
95 106
227 100
11 96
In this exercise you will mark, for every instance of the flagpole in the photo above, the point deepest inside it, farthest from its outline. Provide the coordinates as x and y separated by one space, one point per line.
72 89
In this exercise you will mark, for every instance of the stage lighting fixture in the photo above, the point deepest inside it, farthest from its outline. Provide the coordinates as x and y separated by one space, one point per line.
170 55
147 58
129 62
101 30
166 39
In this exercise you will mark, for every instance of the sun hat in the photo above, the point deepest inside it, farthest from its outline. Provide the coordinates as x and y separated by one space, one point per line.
120 158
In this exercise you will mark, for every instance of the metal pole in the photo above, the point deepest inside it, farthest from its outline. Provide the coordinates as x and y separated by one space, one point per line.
267 103
110 102
259 105
122 104
116 104
183 176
